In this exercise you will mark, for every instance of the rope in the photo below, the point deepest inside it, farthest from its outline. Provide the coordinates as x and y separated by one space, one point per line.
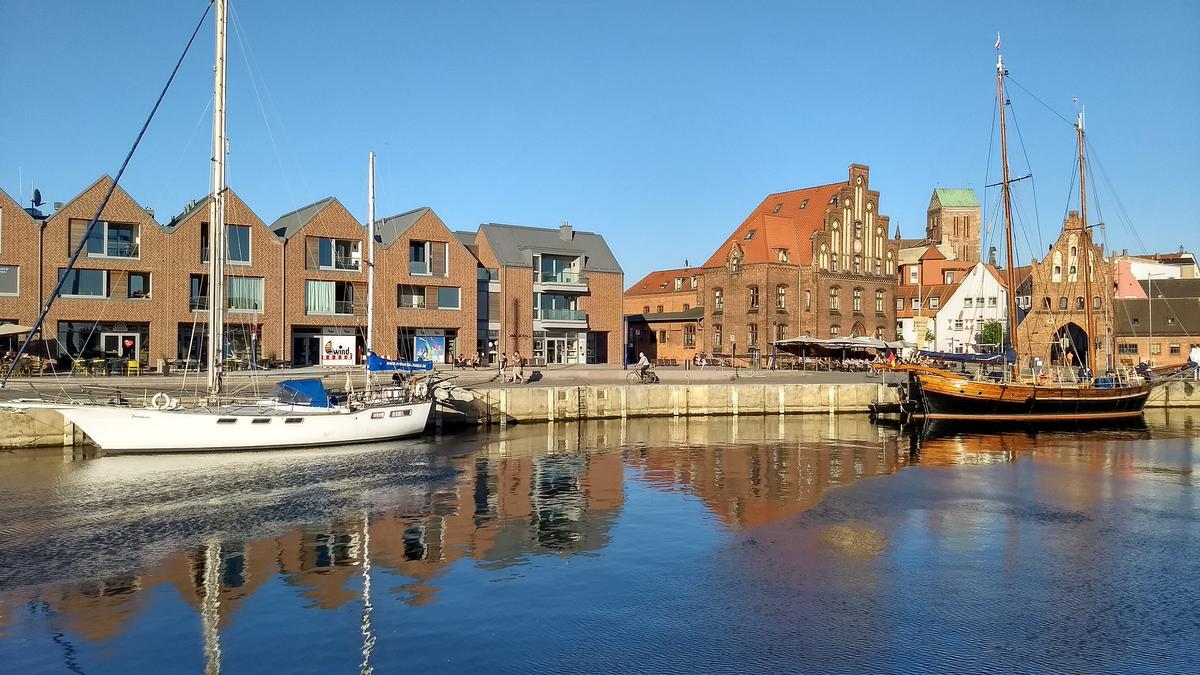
37 326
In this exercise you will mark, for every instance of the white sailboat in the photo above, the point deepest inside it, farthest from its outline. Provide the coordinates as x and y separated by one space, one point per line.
299 413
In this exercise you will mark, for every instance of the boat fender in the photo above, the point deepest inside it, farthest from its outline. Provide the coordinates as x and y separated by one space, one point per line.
174 403
421 390
161 401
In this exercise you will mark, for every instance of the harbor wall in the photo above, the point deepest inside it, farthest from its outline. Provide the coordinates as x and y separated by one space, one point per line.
1178 394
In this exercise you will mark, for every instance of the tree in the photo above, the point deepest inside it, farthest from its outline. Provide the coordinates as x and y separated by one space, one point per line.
992 333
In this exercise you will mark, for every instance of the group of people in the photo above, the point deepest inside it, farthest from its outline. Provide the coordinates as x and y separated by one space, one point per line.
512 369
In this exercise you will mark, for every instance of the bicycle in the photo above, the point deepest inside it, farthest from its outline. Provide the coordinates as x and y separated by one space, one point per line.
650 377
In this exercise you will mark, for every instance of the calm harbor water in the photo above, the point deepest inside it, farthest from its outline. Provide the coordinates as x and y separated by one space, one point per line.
765 544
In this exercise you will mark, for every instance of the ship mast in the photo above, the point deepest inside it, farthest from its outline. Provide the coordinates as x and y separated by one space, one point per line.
370 252
1008 240
216 218
1087 251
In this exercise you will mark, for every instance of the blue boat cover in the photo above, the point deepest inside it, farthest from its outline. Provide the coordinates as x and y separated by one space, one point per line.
376 363
1008 356
308 391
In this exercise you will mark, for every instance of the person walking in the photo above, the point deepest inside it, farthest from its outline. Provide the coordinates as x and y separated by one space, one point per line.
503 364
518 366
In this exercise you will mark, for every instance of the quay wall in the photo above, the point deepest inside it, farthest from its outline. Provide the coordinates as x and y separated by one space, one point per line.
1178 394
551 404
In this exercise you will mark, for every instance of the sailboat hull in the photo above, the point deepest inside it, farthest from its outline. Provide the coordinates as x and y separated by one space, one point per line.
126 430
940 398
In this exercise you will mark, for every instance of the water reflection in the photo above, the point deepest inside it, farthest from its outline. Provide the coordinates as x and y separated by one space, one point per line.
102 545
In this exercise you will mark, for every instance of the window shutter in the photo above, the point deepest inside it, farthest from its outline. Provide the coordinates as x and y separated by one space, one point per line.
312 253
78 228
437 259
118 284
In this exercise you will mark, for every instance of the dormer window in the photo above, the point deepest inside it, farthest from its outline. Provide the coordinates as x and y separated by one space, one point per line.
804 203
750 234
678 283
777 208
783 255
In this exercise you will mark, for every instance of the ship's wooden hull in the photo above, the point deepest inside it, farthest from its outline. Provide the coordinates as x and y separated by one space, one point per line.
941 398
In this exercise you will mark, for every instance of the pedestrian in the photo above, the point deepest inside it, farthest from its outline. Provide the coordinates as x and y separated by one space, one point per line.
518 368
503 364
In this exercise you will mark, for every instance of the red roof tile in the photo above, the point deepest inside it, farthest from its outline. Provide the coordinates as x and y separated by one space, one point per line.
662 281
784 220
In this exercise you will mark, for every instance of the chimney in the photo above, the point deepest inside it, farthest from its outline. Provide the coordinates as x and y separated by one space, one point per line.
564 231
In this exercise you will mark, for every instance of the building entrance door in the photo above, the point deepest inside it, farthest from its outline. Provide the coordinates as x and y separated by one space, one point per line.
306 350
556 350
121 345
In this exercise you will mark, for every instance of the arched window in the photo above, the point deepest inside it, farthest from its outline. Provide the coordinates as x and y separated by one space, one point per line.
879 295
891 266
716 337
857 295
1056 271
858 264
1096 302
807 300
824 258
753 297
834 330
780 331
1079 303
1046 303
718 300
752 333
834 300
781 297
1062 303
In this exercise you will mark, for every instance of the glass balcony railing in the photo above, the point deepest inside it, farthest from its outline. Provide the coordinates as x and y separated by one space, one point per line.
563 277
343 307
563 315
198 303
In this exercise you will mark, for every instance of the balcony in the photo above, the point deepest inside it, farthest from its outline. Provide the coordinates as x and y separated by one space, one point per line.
562 318
343 264
567 280
198 303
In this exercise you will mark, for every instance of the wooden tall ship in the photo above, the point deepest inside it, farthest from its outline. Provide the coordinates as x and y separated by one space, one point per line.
935 394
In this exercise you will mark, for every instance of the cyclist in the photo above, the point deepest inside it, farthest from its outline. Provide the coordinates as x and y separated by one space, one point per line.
642 365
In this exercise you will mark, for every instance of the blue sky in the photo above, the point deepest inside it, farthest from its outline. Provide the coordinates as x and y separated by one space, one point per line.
660 125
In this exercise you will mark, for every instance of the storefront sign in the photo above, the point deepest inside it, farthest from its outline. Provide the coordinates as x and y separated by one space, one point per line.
337 350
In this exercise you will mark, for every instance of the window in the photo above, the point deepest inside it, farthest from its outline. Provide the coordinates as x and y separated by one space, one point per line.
858 229
916 303
1096 302
783 255
412 297
807 300
695 282
752 333
328 297
84 283
878 266
660 309
992 301
1079 303
979 302
834 262
139 285
339 254
899 304
1155 349
237 244
1046 303
1127 348
857 264
10 280
1170 321
949 279
1062 303
857 296
662 337
198 292
111 240
891 266
244 294
912 274
418 257
750 235
781 297
645 309
718 300
777 207
834 300
717 336
1175 350
834 330
689 335
780 331
686 306
958 324
968 303
753 297
678 283
934 302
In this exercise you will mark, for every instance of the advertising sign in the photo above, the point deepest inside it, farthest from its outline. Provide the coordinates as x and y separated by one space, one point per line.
337 350
429 348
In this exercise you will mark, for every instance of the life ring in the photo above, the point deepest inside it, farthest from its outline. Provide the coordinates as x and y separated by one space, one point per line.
161 401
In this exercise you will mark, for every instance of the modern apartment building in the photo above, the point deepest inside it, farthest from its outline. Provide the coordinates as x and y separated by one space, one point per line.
553 295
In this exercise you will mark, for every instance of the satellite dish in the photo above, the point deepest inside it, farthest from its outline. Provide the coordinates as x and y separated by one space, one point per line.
37 198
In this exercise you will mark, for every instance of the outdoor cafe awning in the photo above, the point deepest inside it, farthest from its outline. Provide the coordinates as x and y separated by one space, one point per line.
816 346
13 329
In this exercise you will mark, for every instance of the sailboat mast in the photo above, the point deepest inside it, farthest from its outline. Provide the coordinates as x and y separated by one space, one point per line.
216 217
1010 261
370 252
1087 250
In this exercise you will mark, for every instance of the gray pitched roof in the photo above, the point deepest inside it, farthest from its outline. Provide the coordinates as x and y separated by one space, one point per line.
467 238
190 210
287 225
390 229
514 246
1172 288
693 314
1177 317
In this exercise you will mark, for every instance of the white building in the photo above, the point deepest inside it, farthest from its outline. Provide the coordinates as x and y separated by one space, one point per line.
979 298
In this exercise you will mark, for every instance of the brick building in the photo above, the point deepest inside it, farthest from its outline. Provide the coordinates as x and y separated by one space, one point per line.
1162 334
20 242
952 221
553 295
663 316
1055 327
425 288
815 261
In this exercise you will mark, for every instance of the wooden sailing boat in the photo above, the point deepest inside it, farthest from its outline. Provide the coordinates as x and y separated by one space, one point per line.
940 395
299 413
